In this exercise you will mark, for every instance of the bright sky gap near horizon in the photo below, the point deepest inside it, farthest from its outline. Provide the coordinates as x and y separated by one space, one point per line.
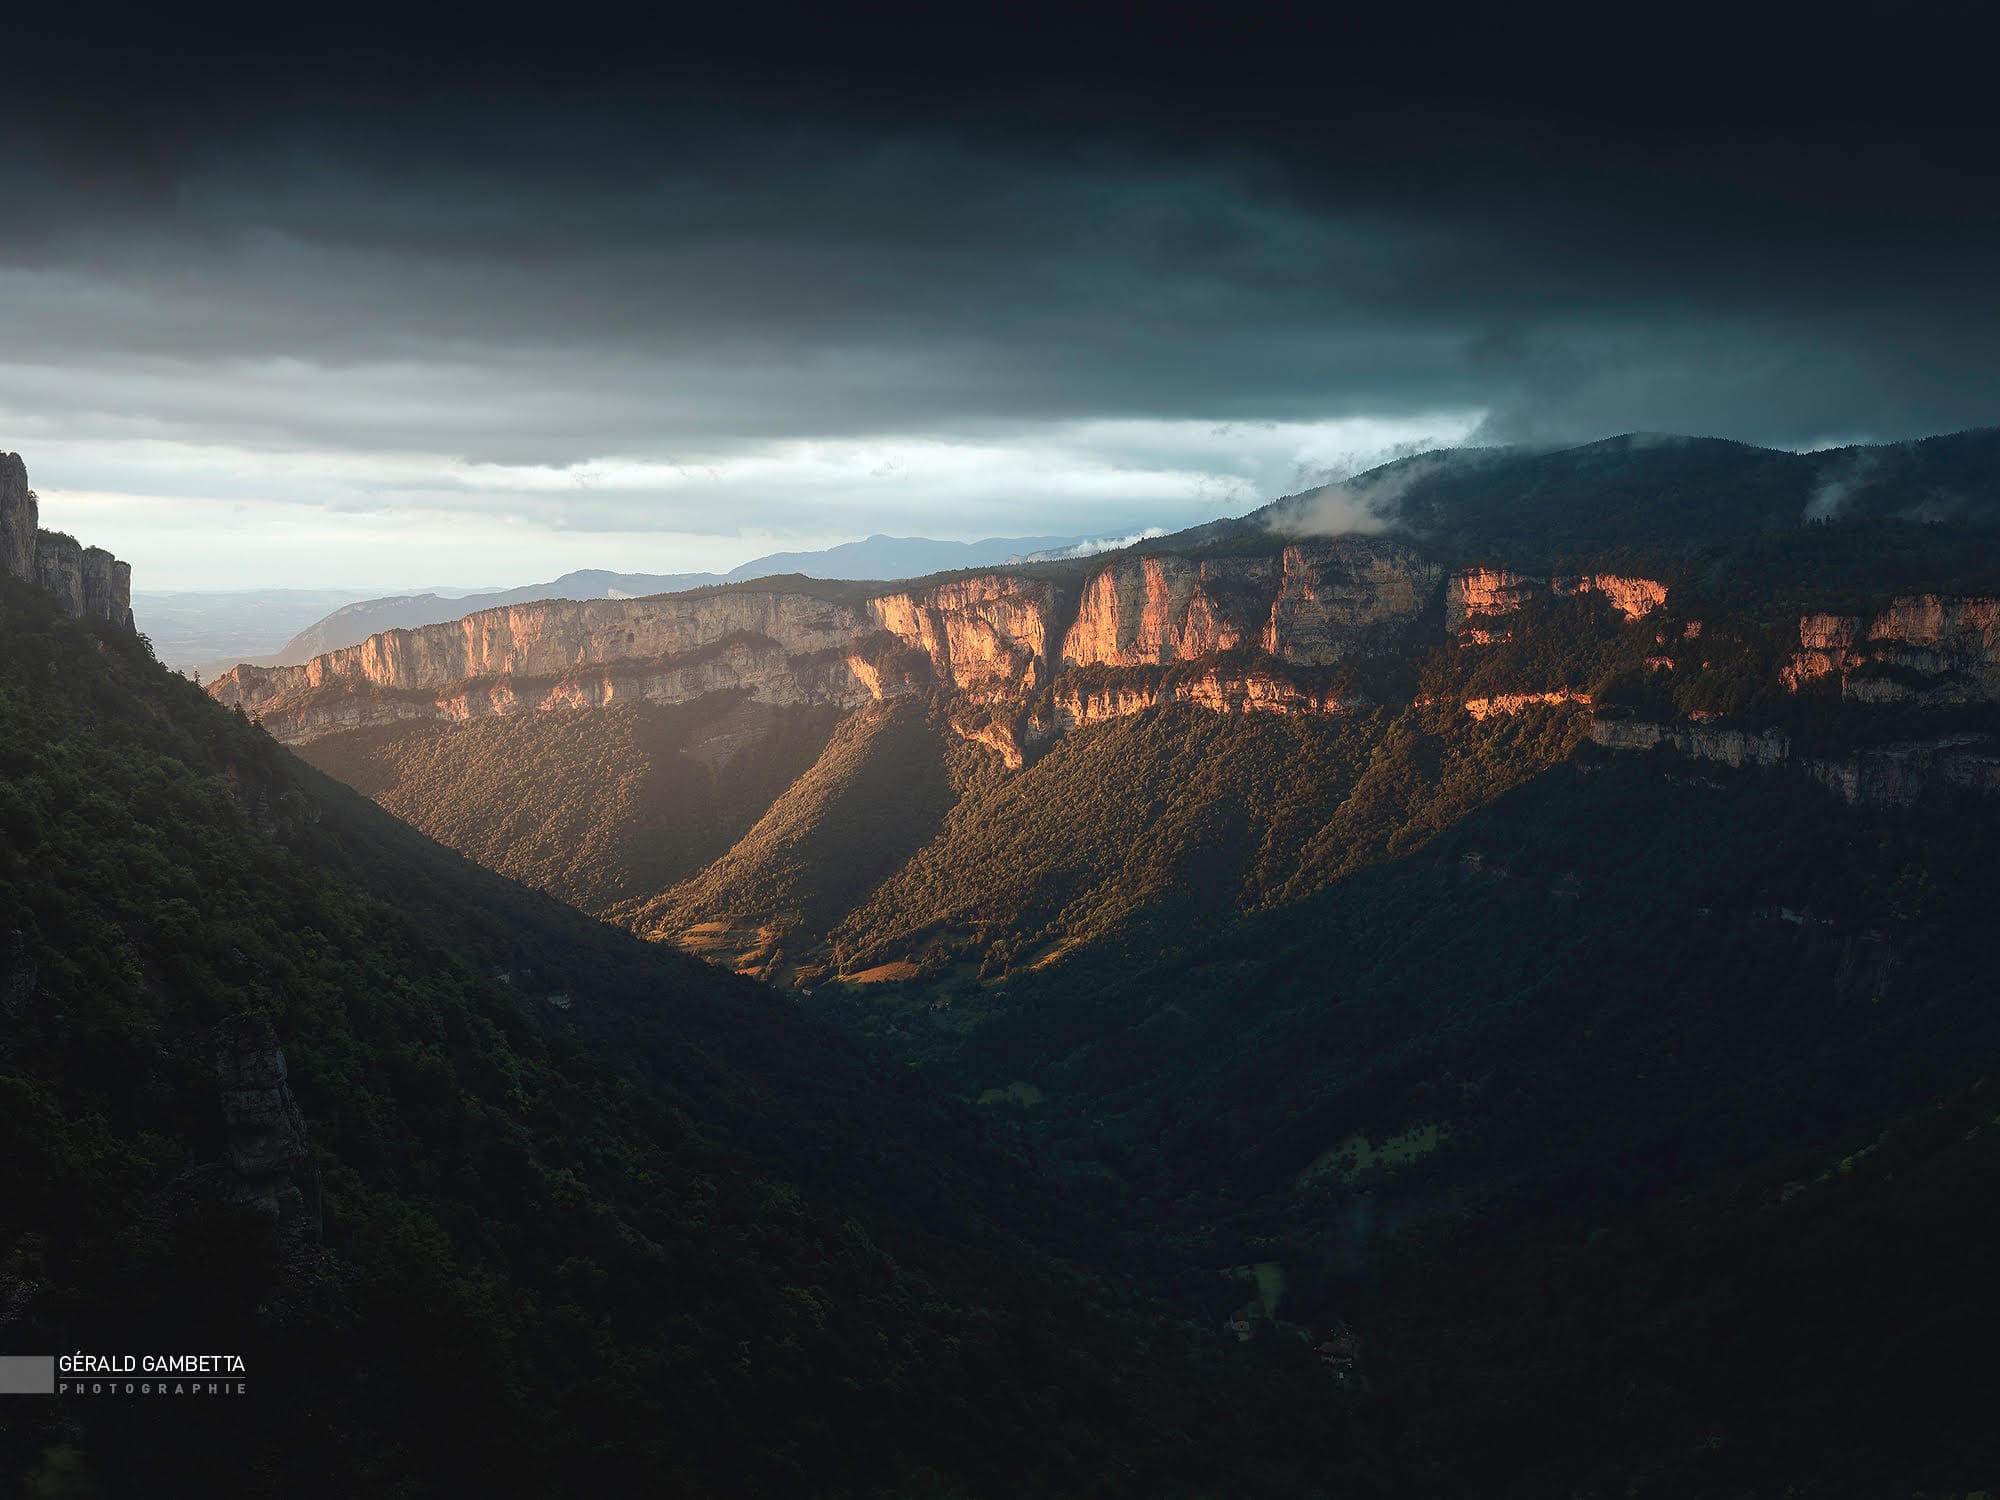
410 521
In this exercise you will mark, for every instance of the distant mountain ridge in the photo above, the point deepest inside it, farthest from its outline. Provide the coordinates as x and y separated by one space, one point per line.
874 557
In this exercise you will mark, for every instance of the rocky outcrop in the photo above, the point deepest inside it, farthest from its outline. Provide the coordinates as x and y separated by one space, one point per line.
1337 596
1096 703
1896 775
1729 746
268 1164
59 569
749 663
1922 646
1314 603
1479 594
1001 737
107 586
987 637
18 519
550 638
1514 703
1633 598
1899 775
1826 645
1152 611
81 580
1221 690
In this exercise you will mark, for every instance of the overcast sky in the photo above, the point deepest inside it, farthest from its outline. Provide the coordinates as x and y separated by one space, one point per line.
381 303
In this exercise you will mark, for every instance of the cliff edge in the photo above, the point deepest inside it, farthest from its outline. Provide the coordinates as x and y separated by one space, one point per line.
998 638
82 580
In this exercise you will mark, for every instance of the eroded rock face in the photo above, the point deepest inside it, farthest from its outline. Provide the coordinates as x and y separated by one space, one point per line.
1002 738
107 586
1077 705
1895 775
1314 603
1513 703
18 519
59 569
266 1154
1152 611
1729 746
988 637
753 663
881 680
1955 642
81 580
1631 597
549 638
1333 596
992 639
1479 594
1900 774
1251 690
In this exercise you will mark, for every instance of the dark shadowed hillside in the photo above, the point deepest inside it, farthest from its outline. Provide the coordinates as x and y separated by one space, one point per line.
492 1199
1643 1124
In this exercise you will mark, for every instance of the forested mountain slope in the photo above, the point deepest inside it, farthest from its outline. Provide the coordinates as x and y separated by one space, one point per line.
596 807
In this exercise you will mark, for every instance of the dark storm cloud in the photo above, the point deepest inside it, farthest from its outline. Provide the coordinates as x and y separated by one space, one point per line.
678 243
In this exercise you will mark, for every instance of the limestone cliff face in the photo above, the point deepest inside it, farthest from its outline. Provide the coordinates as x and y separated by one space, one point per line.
757 664
1251 690
1077 705
82 580
1900 774
1896 775
1150 611
18 519
1313 603
991 639
1730 747
1501 704
59 569
1478 594
107 586
1826 644
549 638
988 637
1631 597
1953 641
1333 595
